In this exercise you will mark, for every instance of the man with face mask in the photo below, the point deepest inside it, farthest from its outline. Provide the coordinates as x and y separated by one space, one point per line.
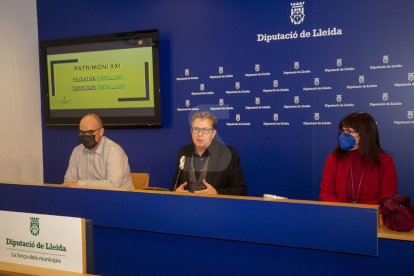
97 161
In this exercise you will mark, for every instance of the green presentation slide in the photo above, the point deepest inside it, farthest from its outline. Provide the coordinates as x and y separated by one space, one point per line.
121 78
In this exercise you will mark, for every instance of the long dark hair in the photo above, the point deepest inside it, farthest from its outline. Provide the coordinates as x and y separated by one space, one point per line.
369 144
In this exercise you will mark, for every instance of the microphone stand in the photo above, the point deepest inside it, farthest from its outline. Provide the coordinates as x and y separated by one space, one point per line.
181 167
176 180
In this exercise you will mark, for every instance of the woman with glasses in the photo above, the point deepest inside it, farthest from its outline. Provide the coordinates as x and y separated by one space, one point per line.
358 170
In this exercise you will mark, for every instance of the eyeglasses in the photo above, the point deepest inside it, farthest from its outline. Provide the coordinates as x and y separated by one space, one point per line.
87 132
196 130
348 130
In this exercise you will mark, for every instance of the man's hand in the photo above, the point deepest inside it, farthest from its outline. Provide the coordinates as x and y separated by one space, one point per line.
209 190
181 189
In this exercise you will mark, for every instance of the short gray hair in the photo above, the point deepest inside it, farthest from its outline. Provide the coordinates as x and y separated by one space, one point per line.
205 115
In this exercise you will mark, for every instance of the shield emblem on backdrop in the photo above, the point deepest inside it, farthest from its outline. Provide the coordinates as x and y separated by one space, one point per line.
339 62
202 87
385 59
237 117
257 101
385 96
338 98
316 116
257 67
296 99
410 76
237 85
275 83
187 103
187 72
34 226
296 65
297 13
221 102
275 117
221 70
410 115
316 81
361 79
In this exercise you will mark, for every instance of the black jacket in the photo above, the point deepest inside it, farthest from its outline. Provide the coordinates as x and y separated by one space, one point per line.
223 173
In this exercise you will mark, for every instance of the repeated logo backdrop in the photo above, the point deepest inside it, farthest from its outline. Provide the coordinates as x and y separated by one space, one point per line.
278 74
318 69
334 82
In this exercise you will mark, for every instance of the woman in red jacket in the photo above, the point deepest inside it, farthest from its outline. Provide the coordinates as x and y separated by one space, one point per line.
358 170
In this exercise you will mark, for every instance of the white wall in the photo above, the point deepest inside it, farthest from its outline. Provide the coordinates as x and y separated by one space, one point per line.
20 120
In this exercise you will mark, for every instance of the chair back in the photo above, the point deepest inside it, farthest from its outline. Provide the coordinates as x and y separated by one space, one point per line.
140 180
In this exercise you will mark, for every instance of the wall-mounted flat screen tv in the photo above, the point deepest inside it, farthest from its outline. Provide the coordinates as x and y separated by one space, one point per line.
115 76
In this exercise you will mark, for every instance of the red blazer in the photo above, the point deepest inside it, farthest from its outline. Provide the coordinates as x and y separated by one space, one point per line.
377 182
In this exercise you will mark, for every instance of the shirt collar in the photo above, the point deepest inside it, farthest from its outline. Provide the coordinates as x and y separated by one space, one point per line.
206 153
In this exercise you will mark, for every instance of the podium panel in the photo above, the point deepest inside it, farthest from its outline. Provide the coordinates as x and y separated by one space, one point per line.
46 241
147 232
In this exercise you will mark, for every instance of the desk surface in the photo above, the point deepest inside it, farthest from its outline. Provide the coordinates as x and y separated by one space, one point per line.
197 195
385 233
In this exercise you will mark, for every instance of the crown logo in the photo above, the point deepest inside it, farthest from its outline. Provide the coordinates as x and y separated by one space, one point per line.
297 12
294 5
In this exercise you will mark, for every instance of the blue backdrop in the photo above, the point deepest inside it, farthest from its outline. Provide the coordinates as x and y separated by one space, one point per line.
278 83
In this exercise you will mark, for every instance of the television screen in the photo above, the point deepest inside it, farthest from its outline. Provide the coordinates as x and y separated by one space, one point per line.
115 76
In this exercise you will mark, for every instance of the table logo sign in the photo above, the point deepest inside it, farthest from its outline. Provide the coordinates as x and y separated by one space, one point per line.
46 241
34 226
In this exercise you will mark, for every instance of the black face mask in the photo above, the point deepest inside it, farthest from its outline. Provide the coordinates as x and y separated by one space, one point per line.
88 141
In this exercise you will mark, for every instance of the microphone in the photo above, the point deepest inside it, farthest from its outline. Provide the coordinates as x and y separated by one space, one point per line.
182 162
180 168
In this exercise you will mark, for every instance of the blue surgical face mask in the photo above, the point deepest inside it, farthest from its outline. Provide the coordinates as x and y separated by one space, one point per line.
346 141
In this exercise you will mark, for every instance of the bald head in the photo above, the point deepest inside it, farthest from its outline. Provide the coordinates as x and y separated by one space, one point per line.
92 120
